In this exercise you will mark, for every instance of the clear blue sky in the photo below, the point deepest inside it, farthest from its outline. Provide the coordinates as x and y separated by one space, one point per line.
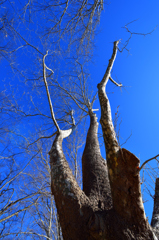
137 71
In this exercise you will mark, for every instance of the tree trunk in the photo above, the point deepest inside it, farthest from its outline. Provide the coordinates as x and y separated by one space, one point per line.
94 169
155 215
110 205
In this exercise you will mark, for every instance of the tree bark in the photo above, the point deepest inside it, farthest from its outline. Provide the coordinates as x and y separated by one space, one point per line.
155 215
71 202
94 169
110 206
122 165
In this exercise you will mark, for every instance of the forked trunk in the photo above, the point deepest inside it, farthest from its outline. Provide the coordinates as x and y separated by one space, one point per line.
110 205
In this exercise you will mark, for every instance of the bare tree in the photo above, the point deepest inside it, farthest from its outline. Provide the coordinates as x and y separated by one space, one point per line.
40 52
51 23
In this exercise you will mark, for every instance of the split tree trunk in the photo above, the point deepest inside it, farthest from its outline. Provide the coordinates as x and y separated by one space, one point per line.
110 205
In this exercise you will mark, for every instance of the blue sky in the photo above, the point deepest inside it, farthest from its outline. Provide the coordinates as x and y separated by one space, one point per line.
137 70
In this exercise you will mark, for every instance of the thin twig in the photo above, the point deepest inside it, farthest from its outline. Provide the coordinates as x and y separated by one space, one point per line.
147 162
42 138
117 84
19 172
133 33
27 43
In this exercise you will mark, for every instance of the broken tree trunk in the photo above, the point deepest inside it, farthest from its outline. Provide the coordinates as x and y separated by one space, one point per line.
122 165
110 205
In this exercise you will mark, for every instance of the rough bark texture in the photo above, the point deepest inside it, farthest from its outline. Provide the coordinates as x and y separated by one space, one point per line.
73 206
110 206
122 167
94 169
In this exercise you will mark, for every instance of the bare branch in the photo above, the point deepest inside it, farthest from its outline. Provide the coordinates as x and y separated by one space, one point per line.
117 84
110 65
48 94
147 162
27 43
133 33
106 118
73 120
43 138
143 34
17 212
18 200
18 172
71 95
126 139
